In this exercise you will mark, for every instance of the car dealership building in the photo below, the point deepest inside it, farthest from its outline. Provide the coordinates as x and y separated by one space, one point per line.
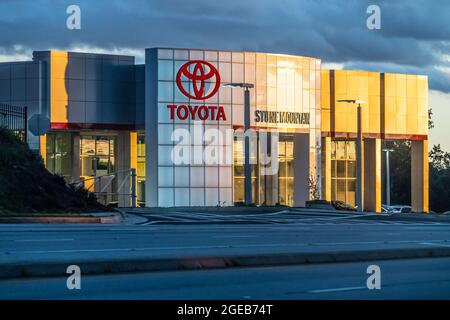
177 120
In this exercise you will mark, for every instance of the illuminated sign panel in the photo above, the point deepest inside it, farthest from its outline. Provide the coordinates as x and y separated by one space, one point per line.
281 117
202 112
198 76
205 81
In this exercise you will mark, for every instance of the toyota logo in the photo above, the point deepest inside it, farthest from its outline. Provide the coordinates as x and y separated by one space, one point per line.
201 72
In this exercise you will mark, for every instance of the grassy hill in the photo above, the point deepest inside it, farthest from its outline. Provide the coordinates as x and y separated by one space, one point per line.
27 187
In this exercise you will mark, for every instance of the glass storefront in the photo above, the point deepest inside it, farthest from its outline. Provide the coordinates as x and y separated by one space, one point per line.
286 171
343 171
97 155
262 189
59 154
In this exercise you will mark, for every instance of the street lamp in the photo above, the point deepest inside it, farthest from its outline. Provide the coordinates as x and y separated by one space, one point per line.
388 177
247 167
359 201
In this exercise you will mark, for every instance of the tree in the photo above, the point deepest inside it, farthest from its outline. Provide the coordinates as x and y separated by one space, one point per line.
439 179
439 173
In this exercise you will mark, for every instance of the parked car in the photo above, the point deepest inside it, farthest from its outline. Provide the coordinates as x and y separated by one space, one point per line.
401 209
386 209
446 213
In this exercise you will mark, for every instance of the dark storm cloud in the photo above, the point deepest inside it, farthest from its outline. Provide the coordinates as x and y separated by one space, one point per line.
415 35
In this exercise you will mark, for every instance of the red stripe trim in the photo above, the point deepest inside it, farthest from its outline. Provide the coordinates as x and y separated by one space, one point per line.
91 126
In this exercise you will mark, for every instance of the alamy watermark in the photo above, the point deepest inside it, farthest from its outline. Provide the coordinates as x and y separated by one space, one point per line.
73 21
200 146
374 20
74 280
374 280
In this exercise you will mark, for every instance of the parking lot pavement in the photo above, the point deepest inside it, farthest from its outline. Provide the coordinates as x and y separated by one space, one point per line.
280 216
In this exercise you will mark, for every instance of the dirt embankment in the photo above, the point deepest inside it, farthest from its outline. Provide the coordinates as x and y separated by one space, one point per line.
27 187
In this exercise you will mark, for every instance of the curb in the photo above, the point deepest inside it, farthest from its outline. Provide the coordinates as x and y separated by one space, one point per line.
61 220
58 269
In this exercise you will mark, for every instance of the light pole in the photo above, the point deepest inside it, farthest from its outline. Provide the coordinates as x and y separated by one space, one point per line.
388 177
247 167
359 201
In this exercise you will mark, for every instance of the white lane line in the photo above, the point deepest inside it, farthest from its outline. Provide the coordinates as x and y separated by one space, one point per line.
435 244
231 236
336 289
42 240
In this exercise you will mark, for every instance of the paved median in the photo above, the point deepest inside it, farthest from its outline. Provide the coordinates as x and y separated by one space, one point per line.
58 268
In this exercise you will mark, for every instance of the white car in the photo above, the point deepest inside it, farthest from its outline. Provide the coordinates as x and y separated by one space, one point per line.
401 209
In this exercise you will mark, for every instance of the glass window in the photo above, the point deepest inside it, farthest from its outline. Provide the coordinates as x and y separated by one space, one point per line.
343 171
165 91
97 155
165 155
211 176
225 177
211 55
165 132
225 71
237 72
211 196
239 189
165 176
197 176
182 197
165 54
197 197
181 176
340 168
196 55
165 70
165 197
224 56
351 169
181 55
59 154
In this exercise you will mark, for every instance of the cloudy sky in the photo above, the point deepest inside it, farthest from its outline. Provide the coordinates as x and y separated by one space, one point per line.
414 35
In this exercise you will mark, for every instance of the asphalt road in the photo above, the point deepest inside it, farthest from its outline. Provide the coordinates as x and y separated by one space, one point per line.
231 234
400 279
75 243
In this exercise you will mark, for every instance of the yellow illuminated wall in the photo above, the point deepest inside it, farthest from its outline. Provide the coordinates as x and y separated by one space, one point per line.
406 105
337 117
396 105
58 92
325 101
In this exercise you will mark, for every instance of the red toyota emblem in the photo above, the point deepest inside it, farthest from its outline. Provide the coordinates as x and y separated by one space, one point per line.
198 76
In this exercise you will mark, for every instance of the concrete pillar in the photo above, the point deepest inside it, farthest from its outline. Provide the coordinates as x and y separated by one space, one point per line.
419 176
301 169
372 175
123 157
76 161
326 168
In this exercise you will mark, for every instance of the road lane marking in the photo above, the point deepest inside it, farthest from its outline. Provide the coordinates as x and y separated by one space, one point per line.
435 244
336 289
231 237
42 240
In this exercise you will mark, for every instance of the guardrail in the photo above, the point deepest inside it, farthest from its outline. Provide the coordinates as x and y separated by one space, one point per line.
102 185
